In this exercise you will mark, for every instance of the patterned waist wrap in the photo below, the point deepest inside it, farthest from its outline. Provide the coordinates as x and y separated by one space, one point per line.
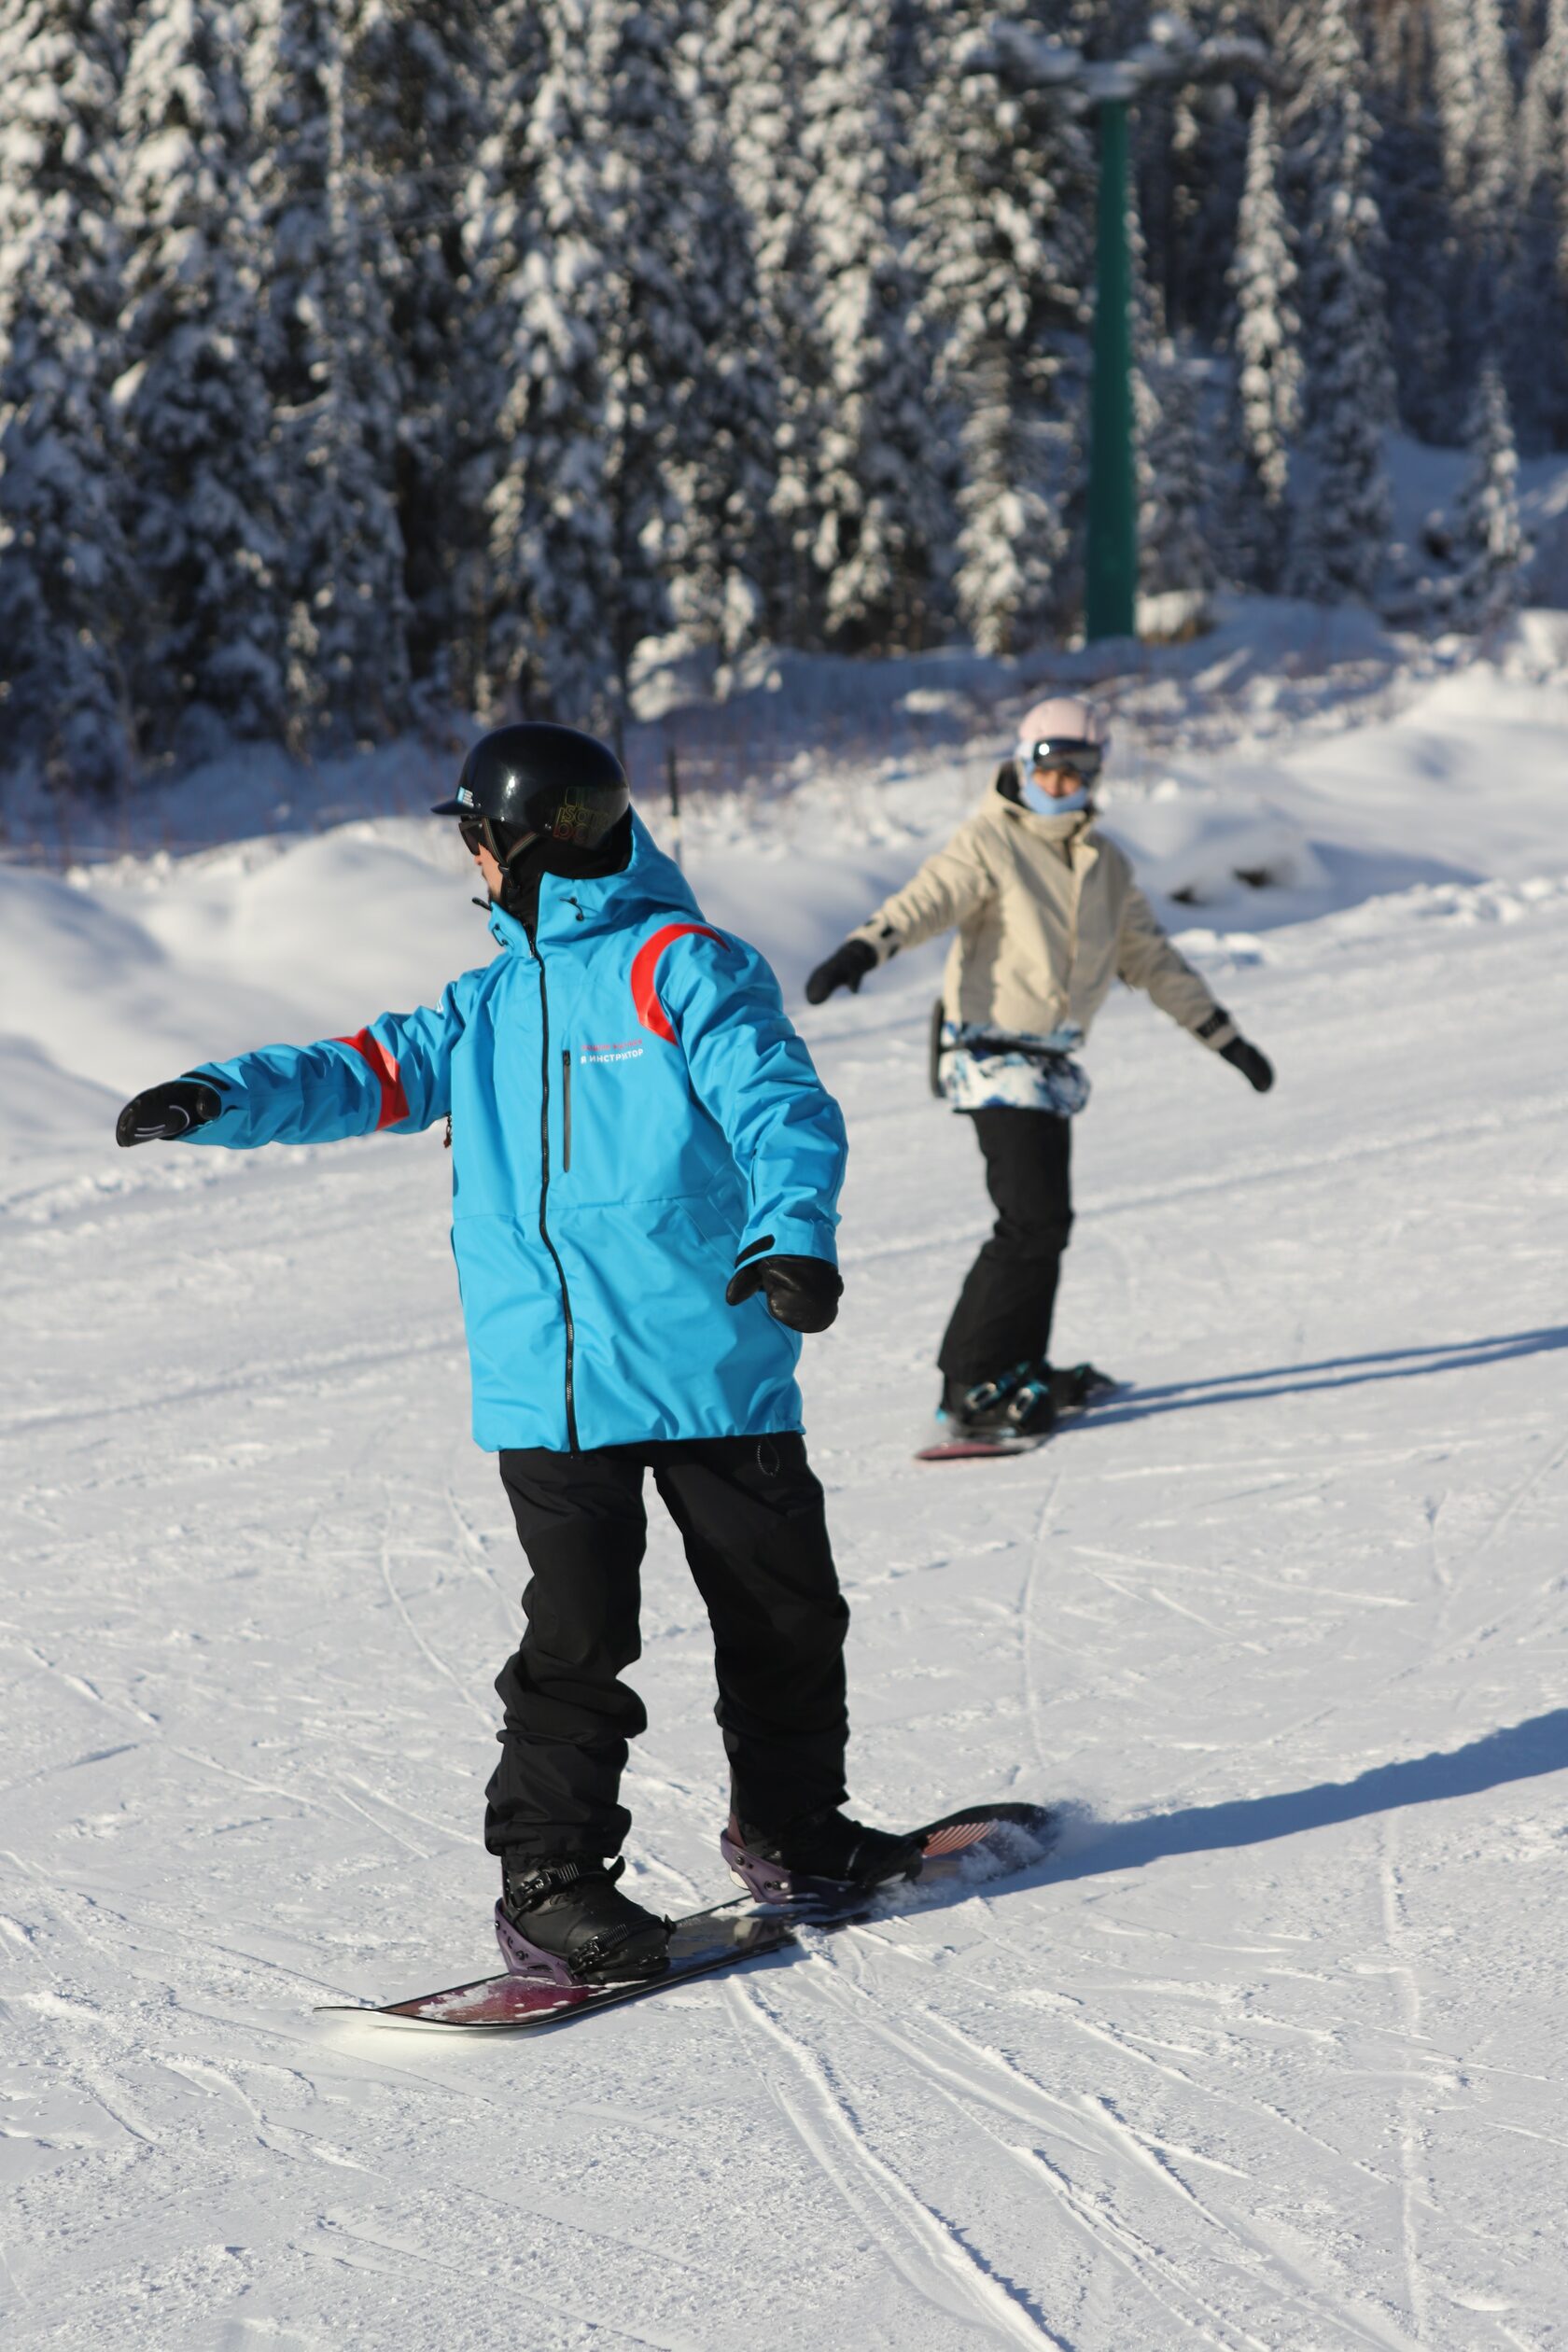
978 1069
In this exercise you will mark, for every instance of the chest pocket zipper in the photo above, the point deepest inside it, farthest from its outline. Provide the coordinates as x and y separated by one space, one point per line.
566 1108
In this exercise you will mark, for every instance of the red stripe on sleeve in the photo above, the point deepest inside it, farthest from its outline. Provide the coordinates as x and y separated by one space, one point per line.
645 973
394 1102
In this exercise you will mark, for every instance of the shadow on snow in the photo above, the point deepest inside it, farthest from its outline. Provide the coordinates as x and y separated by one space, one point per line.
1520 1751
1334 1372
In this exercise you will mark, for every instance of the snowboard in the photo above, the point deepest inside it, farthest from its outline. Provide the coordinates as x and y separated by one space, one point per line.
979 1448
978 1845
1097 1388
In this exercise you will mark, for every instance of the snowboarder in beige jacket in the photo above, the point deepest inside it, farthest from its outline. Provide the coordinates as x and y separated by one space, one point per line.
1046 915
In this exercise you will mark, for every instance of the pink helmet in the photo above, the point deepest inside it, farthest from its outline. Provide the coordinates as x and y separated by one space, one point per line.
1064 718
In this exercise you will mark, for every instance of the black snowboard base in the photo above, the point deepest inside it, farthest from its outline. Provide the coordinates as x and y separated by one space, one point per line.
978 1845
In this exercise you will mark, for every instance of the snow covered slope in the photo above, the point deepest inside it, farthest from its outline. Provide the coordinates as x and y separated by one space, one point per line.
1269 2056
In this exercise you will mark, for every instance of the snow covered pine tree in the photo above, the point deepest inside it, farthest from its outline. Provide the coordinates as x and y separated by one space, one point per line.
203 484
998 209
1264 340
598 236
1341 509
415 96
1490 545
876 517
332 386
64 575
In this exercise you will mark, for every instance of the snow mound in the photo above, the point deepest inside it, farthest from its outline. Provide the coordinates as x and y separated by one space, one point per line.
1533 647
41 1103
1490 902
1199 845
128 974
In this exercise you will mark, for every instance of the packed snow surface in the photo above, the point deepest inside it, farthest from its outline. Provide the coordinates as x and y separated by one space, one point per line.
1271 2053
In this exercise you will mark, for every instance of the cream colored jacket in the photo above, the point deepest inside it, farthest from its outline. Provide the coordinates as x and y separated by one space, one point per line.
1047 916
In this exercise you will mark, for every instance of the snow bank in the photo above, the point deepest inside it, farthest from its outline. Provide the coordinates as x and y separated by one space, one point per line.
1192 846
128 973
127 969
42 1104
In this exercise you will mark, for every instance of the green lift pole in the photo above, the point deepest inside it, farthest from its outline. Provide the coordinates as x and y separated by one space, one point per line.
1110 563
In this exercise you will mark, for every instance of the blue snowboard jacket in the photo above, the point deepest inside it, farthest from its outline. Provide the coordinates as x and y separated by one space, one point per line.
632 1113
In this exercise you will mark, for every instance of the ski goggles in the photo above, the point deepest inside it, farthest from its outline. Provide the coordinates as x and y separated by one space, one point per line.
502 841
1064 751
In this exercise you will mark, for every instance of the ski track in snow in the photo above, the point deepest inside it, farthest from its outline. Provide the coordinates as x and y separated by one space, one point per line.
1267 2055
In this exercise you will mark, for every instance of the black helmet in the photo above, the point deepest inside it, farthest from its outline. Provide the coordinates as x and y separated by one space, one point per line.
541 783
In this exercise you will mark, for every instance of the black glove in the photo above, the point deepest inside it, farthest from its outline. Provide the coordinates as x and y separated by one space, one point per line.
845 968
164 1113
1256 1068
802 1291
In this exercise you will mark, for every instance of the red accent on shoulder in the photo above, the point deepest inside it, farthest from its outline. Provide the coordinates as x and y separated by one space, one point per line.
645 973
393 1101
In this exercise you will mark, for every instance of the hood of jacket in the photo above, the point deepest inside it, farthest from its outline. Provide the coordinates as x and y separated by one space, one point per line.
577 910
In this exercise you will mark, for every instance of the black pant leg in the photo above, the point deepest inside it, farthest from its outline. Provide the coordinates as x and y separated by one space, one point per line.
569 1716
752 1516
1003 1314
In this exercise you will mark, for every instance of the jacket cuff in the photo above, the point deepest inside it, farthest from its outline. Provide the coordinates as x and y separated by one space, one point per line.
879 936
231 1127
788 1237
1216 1029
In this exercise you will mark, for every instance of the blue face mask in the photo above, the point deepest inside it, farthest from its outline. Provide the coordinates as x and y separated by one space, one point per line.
1045 804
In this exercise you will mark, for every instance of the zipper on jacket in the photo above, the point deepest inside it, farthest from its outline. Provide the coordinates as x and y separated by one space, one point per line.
566 1108
544 1194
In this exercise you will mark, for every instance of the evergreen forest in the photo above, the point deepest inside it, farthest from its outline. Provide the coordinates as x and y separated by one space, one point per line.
366 361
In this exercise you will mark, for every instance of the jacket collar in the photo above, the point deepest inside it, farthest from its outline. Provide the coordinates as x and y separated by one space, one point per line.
1052 829
1061 830
1061 833
574 912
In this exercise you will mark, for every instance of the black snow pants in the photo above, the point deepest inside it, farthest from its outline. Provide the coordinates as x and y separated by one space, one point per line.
751 1515
1003 1314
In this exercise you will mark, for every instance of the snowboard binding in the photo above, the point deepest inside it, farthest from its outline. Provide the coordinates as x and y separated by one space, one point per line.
823 1861
1015 1413
566 1922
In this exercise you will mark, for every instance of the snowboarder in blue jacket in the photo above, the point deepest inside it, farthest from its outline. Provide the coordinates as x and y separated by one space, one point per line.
645 1173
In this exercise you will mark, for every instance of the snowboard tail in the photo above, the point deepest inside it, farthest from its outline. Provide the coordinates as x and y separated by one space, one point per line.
979 1843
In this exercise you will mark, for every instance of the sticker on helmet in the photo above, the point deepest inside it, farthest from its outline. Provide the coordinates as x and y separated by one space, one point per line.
578 821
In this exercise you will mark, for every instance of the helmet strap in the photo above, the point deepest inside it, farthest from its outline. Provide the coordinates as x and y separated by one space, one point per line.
504 859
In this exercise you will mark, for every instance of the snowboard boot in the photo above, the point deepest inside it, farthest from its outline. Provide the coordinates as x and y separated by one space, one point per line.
563 1920
1016 1405
821 1857
1076 1386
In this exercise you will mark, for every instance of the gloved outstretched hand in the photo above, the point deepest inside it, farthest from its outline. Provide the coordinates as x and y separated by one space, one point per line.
845 968
164 1113
1256 1068
802 1291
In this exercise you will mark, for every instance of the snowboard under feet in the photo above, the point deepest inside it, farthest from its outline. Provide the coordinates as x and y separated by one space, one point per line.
978 1448
981 1445
979 1844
